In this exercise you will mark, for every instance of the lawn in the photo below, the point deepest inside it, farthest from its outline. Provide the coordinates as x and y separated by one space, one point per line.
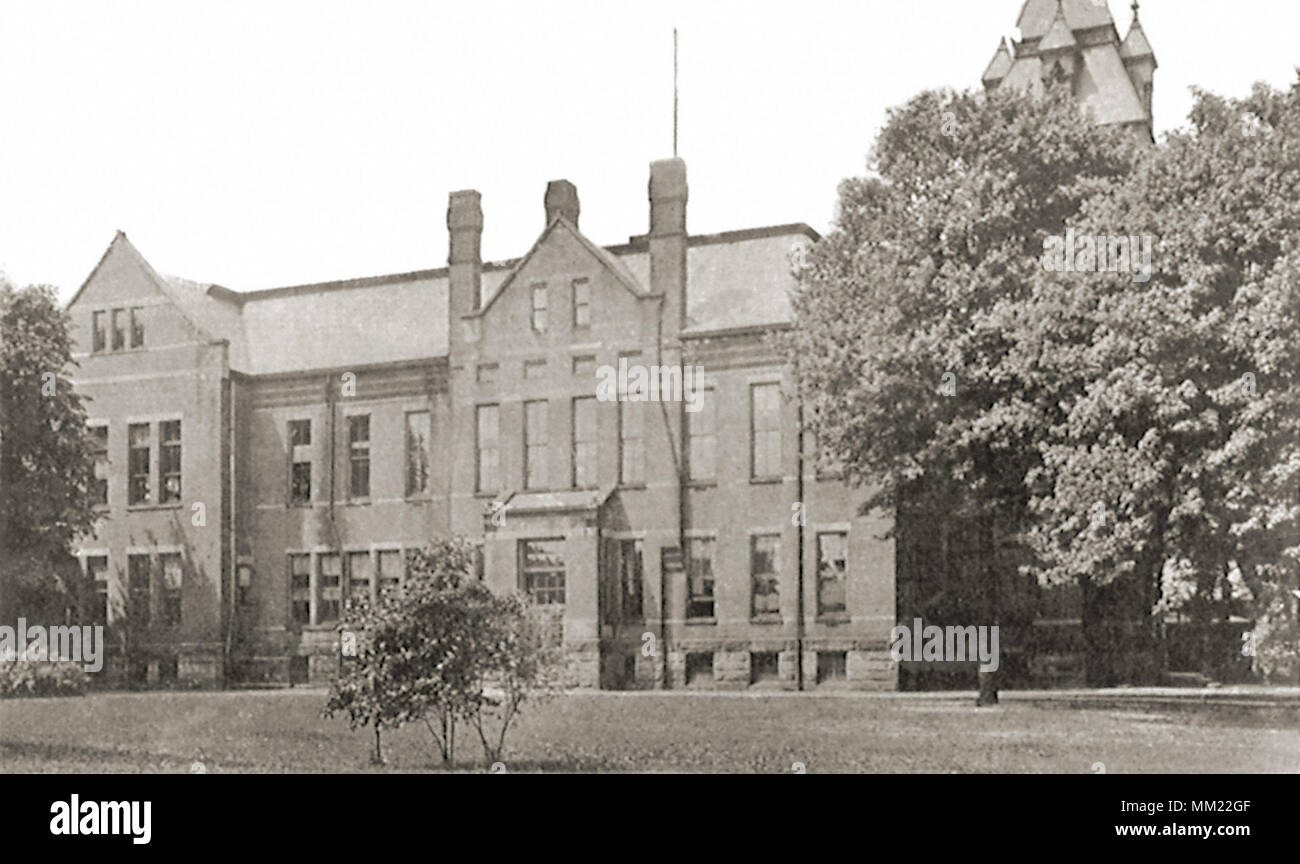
281 731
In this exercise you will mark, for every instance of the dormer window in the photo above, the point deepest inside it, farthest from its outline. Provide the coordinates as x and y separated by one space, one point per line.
539 308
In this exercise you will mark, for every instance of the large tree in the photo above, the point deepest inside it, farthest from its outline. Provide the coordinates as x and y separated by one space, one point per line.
45 466
906 347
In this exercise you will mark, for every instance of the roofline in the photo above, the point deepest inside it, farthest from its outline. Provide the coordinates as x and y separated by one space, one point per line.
742 330
431 360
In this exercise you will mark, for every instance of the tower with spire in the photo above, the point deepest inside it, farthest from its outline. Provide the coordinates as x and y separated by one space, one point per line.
1076 41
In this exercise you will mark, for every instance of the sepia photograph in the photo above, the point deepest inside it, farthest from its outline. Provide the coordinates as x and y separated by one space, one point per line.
850 387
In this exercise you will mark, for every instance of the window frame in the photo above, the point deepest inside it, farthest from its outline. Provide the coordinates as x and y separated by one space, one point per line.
359 456
538 314
711 597
824 610
584 451
422 466
133 474
581 307
755 431
536 451
169 448
771 577
526 573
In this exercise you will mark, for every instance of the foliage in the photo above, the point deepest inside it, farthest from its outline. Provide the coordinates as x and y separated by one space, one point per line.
42 678
439 650
45 466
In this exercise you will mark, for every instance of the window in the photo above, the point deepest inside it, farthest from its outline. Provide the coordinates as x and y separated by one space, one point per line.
300 457
329 580
534 370
832 553
119 331
97 579
137 589
832 666
699 575
487 428
173 578
390 570
764 553
137 328
699 667
300 587
138 456
699 425
361 578
539 308
98 334
169 447
542 569
584 442
765 430
535 416
417 452
359 450
629 577
99 454
630 446
584 366
486 373
581 303
764 666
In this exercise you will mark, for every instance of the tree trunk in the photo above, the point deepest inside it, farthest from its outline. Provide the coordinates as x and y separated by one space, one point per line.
377 758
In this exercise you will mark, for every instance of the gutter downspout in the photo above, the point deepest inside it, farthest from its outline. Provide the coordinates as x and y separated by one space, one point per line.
802 526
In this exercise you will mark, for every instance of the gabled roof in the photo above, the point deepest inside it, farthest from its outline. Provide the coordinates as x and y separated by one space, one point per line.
560 223
1058 35
1000 65
1135 44
121 244
1036 16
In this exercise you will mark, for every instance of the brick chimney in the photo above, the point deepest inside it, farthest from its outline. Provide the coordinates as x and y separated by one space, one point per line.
464 256
667 238
562 200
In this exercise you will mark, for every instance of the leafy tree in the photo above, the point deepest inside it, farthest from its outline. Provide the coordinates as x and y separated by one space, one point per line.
440 650
907 315
45 462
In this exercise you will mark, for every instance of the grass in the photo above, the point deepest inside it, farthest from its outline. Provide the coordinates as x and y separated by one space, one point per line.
282 731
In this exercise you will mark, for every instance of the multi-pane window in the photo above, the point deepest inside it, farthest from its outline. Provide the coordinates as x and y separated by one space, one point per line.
542 570
703 439
486 373
300 458
390 570
361 578
535 440
487 427
631 447
138 456
172 580
417 452
629 577
584 441
765 430
539 308
359 455
329 591
99 333
137 328
119 329
300 588
137 589
699 567
764 552
97 582
169 454
534 370
584 366
832 557
99 453
581 303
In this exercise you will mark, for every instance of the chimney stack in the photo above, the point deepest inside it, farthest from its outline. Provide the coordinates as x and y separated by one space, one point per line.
562 200
464 256
667 238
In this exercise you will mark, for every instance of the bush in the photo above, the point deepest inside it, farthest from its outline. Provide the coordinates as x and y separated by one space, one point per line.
41 678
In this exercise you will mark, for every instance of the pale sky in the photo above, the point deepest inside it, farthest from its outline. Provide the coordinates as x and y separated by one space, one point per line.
276 143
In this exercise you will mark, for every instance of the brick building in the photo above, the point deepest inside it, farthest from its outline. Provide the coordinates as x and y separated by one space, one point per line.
268 455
